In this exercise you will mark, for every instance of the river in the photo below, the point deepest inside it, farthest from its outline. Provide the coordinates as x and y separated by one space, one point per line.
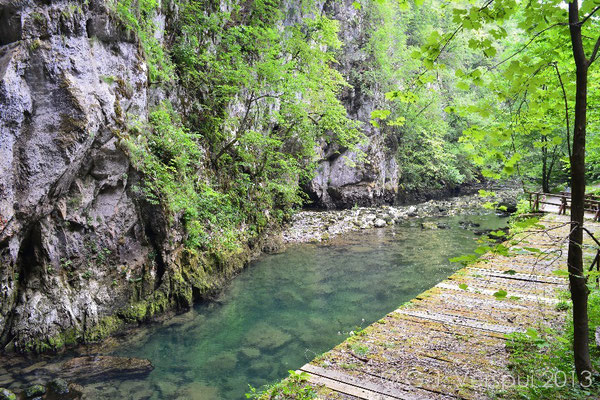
287 308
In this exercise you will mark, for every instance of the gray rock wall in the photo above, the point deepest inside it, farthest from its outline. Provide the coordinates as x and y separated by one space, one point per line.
73 232
80 251
342 180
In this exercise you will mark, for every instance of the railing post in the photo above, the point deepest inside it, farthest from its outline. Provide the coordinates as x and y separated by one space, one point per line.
536 205
563 206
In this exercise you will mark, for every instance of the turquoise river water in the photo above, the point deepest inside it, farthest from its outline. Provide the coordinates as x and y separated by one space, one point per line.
284 310
287 308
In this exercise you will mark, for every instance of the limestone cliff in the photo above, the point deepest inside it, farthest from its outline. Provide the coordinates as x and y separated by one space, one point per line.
81 251
341 179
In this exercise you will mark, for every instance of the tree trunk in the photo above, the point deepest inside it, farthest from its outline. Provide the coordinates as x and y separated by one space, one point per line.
545 177
577 281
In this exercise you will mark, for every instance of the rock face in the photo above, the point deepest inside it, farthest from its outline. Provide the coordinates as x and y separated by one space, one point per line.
80 251
69 218
341 180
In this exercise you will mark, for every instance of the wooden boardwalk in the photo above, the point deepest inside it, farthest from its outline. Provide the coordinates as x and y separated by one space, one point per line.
449 342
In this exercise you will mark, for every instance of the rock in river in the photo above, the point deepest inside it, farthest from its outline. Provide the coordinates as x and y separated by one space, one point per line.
379 223
103 367
266 337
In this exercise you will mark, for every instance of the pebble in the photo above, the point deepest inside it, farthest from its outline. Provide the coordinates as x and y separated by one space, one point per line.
319 226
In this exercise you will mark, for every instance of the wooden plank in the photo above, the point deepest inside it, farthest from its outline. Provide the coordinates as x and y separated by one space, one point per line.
443 328
472 300
533 298
346 389
353 386
460 321
520 276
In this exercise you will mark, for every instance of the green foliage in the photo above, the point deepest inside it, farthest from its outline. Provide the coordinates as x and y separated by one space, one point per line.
171 158
294 387
259 98
522 126
138 17
424 138
541 361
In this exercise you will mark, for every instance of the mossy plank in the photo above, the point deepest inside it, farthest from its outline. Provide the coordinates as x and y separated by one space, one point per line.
450 341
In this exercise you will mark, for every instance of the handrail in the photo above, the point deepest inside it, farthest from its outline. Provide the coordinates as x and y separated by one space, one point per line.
590 203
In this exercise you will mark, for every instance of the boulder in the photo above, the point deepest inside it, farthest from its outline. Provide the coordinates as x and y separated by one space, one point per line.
6 394
379 223
92 368
429 225
35 391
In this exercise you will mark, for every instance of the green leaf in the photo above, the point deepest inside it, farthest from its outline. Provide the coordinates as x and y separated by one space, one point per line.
490 51
380 114
532 333
500 294
462 85
463 286
532 249
357 5
510 272
482 249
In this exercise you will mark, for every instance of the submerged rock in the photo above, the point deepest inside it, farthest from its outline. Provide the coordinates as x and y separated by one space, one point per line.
6 394
221 364
198 391
104 367
58 387
35 391
249 353
266 337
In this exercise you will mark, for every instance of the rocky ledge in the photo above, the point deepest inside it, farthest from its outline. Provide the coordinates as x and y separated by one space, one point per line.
317 226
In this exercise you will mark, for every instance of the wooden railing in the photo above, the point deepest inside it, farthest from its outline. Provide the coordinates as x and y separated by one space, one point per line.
591 202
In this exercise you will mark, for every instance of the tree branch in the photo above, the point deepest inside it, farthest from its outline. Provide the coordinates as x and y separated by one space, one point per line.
595 52
589 15
528 43
562 86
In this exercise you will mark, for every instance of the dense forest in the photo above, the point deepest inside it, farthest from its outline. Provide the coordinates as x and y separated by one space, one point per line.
150 149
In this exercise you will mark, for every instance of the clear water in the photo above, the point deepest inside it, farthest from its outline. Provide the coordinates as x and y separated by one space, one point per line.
287 308
278 314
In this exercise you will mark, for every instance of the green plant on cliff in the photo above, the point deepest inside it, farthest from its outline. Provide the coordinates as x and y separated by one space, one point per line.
138 17
172 160
259 97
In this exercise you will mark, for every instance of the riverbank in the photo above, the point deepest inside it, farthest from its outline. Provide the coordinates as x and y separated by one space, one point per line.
276 315
450 341
318 226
